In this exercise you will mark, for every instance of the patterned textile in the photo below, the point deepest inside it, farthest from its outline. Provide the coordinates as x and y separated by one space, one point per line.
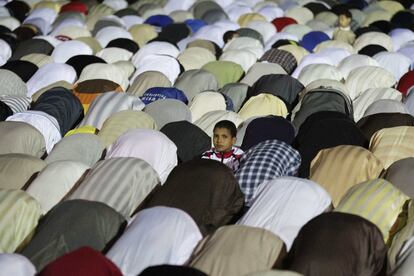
281 57
266 161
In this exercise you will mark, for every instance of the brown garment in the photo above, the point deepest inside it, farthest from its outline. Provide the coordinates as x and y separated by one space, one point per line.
338 244
372 123
205 189
237 250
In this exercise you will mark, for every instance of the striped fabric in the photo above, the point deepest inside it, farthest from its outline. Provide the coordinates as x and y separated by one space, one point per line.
123 121
108 103
375 200
19 217
393 144
16 104
339 168
372 95
122 183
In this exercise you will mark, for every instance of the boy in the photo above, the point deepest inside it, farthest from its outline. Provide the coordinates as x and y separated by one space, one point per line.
224 137
344 32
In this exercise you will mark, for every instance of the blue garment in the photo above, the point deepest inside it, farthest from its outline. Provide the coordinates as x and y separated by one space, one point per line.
159 20
311 39
157 93
195 24
266 161
229 102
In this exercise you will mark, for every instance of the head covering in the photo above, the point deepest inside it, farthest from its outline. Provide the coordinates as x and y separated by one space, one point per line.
156 93
107 104
224 71
70 225
265 161
81 147
253 249
21 214
262 105
19 137
392 144
206 102
356 247
378 197
190 140
15 264
149 145
166 270
314 136
193 82
334 169
165 111
284 205
268 128
212 202
146 80
314 72
123 176
12 84
158 235
62 105
83 261
49 74
122 121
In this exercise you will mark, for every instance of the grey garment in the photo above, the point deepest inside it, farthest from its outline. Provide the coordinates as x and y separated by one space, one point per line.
122 183
193 82
248 32
237 92
70 225
103 23
80 147
166 111
16 103
107 104
274 273
17 169
386 106
405 260
20 137
322 99
213 16
260 69
400 174
11 84
147 80
68 16
200 8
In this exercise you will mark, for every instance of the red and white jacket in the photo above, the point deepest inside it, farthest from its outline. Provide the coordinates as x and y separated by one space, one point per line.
231 158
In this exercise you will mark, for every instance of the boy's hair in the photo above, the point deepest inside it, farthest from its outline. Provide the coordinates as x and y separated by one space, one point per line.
227 125
347 13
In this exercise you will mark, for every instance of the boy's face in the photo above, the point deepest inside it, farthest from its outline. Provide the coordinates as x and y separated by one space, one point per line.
344 21
222 139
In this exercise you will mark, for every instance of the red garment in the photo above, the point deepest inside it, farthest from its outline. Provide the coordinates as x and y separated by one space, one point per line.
84 261
74 7
282 22
406 82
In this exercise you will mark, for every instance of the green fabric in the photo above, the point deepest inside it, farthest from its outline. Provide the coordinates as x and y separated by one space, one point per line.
225 71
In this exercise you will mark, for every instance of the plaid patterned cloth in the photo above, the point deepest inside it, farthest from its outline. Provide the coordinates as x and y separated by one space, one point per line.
281 57
266 161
